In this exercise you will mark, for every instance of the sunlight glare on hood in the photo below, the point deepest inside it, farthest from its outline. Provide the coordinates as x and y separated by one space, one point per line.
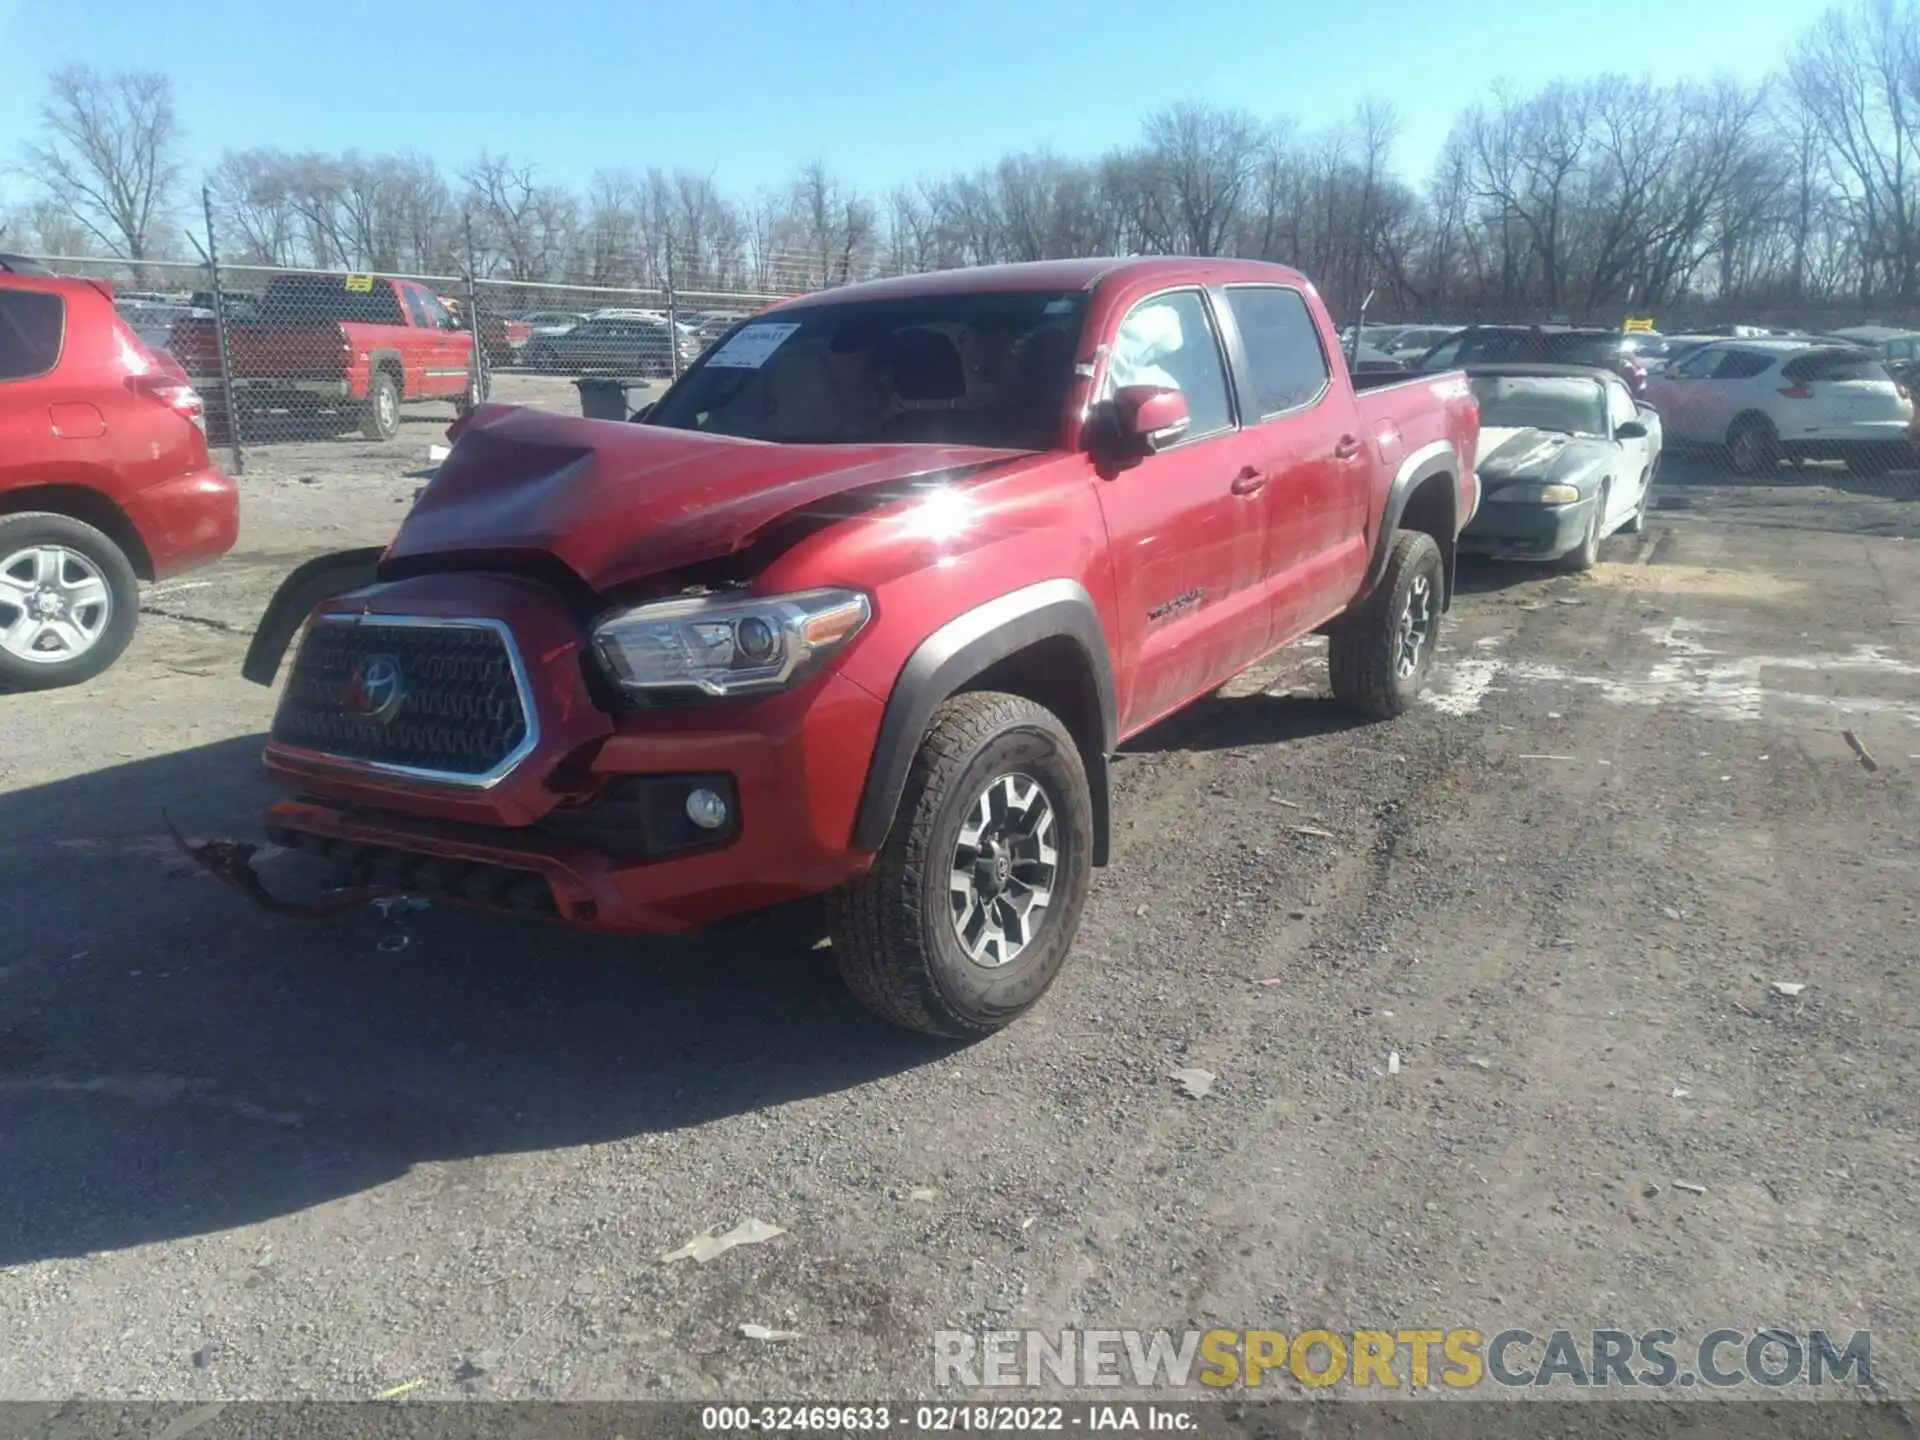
942 514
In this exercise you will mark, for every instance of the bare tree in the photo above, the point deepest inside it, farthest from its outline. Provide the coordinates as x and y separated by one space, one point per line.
108 156
1198 164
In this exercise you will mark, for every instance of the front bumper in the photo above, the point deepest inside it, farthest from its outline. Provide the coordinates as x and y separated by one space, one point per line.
1508 531
795 764
188 521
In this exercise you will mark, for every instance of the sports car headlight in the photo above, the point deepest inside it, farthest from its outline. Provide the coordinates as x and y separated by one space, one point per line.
716 646
1536 495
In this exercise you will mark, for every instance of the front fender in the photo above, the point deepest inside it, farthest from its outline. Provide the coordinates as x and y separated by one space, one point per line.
319 579
967 647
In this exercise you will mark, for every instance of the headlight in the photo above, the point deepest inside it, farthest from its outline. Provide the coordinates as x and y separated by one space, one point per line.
718 646
1536 495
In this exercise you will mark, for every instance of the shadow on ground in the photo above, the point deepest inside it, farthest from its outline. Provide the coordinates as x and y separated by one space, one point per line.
1227 722
175 1062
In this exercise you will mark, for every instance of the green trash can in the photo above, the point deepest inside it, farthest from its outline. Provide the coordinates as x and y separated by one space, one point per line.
605 397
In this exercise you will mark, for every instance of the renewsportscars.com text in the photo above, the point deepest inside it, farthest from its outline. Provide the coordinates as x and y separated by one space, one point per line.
1401 1359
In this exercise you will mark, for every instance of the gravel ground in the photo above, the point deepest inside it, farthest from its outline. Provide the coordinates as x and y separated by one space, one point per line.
251 1157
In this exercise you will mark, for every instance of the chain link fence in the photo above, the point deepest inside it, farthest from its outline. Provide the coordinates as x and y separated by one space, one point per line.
286 355
283 355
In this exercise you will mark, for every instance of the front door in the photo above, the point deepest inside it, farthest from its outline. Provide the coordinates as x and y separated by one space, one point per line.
1184 525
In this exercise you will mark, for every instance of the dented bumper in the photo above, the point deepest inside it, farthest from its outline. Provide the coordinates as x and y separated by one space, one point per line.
590 823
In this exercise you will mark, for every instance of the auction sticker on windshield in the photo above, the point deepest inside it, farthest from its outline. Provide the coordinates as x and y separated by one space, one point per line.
750 347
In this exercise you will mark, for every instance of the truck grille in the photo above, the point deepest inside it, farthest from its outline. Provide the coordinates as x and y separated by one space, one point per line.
439 699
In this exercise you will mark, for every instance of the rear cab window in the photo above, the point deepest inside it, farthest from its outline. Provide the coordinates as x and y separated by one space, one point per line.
317 299
33 326
1286 363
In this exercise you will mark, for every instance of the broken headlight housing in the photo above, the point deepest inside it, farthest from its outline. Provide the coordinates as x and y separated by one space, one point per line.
713 645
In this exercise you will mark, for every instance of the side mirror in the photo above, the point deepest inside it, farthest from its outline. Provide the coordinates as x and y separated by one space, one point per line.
639 417
1150 417
1631 430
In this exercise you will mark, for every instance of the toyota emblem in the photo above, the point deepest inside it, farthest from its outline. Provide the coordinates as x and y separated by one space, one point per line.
376 690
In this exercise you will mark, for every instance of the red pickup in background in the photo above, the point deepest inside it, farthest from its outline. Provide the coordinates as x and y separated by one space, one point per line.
355 345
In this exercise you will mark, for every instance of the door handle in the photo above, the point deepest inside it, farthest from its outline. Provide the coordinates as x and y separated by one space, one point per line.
1347 448
1249 482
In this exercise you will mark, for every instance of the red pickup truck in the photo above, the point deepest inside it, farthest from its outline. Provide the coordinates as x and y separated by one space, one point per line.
863 605
358 345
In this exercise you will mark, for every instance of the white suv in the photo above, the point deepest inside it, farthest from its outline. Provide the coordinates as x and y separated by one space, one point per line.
1768 400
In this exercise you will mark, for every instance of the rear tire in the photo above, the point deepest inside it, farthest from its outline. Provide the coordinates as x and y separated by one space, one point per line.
476 396
1752 446
380 420
1379 657
915 937
88 578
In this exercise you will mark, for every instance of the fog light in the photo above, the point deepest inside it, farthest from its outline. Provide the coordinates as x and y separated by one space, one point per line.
706 809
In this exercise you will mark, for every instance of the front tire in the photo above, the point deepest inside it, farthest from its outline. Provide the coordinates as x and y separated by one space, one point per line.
972 904
69 601
1586 554
1637 521
1378 658
381 418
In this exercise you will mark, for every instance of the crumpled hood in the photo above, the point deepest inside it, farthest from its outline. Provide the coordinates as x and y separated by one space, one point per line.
616 502
1508 453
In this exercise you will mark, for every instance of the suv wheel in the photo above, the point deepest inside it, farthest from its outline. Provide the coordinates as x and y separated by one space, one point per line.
1378 658
381 419
68 602
1752 447
970 908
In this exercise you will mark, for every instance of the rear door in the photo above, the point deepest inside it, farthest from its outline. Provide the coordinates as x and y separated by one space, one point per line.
1303 436
1185 526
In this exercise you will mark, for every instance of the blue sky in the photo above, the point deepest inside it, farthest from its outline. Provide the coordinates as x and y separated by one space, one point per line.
885 90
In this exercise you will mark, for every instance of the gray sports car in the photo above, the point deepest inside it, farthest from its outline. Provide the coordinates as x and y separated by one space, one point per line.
1567 457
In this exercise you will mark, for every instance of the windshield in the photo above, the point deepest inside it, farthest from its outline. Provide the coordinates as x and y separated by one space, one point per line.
1568 403
977 368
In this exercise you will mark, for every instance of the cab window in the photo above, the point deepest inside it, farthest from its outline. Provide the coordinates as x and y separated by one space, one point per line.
1169 341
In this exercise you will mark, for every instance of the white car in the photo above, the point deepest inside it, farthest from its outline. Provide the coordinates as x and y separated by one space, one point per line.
1769 400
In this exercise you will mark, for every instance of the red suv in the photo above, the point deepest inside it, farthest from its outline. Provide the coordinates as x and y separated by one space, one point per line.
104 478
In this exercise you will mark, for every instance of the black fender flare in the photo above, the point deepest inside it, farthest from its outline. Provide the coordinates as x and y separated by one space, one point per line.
322 578
961 650
1426 463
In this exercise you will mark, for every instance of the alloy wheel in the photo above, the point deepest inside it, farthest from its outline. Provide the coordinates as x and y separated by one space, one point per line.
1002 873
54 604
1416 627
